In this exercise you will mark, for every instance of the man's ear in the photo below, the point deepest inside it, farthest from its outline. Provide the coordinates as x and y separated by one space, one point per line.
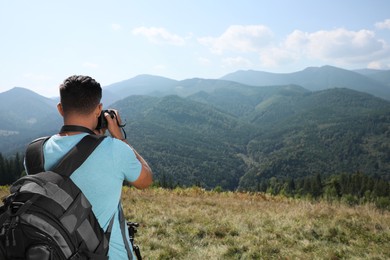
98 110
60 109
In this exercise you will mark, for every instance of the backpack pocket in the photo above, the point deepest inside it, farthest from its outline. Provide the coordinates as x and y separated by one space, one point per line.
39 252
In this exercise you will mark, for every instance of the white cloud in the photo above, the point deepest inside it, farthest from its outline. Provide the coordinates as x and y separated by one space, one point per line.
295 41
273 57
239 38
346 45
338 46
159 36
116 27
383 25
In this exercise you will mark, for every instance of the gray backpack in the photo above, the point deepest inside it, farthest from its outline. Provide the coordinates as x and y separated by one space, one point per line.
46 216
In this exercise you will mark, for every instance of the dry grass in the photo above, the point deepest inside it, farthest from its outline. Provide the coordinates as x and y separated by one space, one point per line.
195 224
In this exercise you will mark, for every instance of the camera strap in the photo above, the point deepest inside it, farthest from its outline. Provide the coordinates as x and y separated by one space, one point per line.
76 128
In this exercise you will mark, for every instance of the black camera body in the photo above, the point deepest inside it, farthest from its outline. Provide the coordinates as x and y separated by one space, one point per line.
102 121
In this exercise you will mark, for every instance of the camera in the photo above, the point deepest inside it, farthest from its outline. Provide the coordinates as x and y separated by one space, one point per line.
102 121
103 124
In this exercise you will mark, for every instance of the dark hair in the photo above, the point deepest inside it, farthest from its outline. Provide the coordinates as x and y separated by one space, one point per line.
80 94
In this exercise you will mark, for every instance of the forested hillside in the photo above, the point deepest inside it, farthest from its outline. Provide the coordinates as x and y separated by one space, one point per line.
327 132
186 142
238 137
225 134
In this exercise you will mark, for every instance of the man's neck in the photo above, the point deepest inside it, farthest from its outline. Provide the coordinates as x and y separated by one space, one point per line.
78 121
75 129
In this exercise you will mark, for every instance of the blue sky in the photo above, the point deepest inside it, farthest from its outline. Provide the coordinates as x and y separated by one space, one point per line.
43 42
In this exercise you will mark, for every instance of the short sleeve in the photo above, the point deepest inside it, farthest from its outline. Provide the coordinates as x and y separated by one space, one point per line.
126 161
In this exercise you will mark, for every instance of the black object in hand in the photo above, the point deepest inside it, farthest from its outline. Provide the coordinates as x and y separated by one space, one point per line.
102 121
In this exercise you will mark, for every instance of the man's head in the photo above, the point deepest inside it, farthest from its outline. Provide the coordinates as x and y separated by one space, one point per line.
80 95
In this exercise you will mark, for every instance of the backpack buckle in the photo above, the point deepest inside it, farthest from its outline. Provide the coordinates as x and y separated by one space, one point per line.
15 206
75 256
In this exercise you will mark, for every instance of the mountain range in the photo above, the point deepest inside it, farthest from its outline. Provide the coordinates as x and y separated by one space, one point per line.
313 79
235 131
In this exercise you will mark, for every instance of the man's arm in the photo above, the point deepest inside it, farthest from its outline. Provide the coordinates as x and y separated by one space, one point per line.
145 178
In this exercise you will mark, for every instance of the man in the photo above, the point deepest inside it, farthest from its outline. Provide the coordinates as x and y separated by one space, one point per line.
101 176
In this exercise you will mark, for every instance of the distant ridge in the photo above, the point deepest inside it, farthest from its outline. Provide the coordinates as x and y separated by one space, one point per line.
314 78
374 82
21 94
141 85
24 103
382 76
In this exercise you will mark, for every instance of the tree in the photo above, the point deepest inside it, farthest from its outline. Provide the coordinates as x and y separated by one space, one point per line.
381 188
2 170
316 186
10 169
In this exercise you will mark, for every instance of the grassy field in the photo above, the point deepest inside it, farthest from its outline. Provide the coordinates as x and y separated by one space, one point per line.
197 224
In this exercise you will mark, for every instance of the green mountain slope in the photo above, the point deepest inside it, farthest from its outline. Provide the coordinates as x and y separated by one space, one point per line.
186 142
160 86
330 132
233 135
242 100
285 131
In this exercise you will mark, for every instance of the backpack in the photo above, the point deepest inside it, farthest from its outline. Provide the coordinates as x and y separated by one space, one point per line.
46 216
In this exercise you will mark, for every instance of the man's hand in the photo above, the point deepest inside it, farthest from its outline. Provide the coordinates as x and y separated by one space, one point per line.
113 125
100 131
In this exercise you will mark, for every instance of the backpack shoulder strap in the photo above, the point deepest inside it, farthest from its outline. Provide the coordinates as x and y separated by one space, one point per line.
34 161
78 154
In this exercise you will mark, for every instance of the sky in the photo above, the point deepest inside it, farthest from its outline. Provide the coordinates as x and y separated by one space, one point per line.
43 42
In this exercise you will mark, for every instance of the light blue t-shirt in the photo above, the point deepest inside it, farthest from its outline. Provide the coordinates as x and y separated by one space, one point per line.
100 178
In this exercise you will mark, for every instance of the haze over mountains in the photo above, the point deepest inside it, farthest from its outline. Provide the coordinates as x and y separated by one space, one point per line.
321 78
239 129
370 81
